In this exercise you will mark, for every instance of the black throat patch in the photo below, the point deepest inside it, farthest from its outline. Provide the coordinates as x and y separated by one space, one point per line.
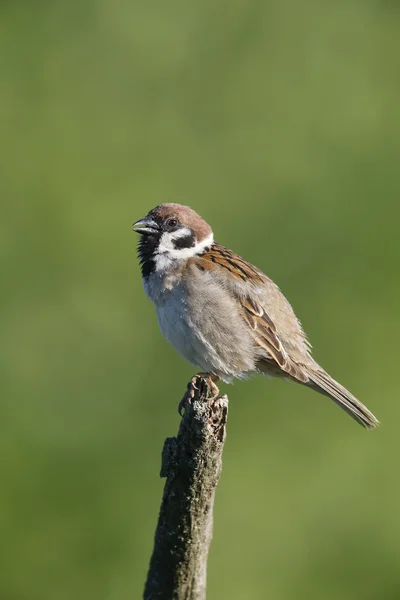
146 251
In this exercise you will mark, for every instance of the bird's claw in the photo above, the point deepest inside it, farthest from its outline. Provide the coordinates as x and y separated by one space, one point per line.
189 395
204 384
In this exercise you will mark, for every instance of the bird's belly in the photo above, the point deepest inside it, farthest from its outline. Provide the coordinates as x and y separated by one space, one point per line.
175 326
179 329
214 344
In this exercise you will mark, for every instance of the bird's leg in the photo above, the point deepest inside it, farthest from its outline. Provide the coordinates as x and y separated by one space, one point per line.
197 384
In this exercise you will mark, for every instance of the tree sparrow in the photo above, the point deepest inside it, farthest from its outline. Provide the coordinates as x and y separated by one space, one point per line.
223 314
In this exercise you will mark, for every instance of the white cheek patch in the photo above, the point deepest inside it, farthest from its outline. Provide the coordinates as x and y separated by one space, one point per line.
167 254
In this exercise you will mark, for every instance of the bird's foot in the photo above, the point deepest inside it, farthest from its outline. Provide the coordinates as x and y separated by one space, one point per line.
202 384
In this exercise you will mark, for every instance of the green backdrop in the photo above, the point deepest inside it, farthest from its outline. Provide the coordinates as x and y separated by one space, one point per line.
279 122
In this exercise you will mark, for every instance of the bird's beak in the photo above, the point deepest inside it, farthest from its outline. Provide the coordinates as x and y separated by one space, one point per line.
146 225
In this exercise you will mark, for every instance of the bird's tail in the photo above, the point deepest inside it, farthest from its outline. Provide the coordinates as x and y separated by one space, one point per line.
323 383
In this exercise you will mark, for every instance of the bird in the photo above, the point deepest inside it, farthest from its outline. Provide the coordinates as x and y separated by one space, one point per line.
224 315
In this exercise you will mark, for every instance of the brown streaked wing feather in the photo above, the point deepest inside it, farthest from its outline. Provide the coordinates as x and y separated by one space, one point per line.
220 257
266 336
253 313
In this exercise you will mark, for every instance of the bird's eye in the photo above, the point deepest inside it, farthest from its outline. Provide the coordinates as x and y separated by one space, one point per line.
171 223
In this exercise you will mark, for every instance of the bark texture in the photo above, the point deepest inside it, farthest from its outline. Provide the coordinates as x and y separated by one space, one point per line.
192 464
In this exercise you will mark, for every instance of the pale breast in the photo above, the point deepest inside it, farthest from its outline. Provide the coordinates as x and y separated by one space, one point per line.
175 324
200 319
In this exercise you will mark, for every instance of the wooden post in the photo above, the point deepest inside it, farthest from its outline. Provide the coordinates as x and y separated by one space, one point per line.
192 464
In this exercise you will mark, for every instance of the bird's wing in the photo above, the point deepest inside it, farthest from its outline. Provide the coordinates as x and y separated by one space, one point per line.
243 279
266 336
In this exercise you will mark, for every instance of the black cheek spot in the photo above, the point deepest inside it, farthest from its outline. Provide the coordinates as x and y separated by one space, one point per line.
185 242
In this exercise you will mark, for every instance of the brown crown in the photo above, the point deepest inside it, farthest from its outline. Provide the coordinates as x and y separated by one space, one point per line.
186 216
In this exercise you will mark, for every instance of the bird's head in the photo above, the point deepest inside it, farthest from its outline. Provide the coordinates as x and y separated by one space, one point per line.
171 233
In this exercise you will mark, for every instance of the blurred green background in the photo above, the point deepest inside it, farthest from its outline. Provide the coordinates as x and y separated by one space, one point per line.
279 122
